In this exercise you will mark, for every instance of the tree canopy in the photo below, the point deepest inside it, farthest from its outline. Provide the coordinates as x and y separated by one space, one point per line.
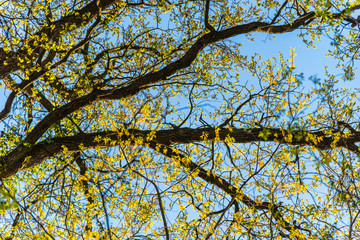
146 120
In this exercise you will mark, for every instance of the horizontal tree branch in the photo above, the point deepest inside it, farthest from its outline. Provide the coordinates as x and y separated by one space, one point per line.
51 147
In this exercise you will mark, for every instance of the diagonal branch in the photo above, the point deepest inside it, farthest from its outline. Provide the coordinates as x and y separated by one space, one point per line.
227 121
279 12
224 185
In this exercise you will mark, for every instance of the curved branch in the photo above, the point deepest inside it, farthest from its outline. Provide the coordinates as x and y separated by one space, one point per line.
8 104
25 86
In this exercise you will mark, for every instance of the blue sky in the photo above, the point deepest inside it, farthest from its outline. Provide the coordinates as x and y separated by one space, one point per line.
308 60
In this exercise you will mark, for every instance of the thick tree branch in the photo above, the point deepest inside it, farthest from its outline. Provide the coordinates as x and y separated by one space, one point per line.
50 147
7 107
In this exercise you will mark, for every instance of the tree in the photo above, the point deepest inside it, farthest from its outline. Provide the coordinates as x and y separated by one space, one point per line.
133 120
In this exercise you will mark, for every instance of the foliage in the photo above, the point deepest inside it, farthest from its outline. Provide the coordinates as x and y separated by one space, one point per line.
145 120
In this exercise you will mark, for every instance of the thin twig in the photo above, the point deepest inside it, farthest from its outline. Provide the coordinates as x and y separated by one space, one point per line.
278 13
160 203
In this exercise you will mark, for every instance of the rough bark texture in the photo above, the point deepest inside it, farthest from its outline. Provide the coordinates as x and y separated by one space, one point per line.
50 147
